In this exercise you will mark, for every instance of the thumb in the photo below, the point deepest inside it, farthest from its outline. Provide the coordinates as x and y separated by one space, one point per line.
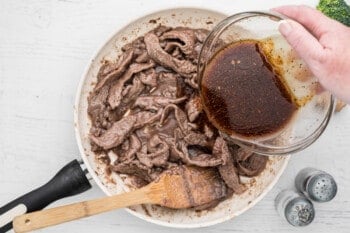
305 44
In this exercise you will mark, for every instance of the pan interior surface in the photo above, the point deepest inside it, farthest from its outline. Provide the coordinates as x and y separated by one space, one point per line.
114 184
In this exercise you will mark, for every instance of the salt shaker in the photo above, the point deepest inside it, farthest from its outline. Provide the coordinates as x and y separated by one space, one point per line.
315 184
293 207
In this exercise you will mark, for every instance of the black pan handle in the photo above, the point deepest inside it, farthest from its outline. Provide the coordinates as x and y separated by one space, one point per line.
69 181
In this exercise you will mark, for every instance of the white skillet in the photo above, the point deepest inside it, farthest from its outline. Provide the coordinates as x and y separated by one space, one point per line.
72 179
190 17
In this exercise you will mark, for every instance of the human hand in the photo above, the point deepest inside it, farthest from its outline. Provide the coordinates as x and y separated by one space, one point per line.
323 43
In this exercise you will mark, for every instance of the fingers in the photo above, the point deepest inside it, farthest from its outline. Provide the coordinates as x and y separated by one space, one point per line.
305 44
317 23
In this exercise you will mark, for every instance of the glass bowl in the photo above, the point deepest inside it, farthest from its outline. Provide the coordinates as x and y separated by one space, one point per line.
315 105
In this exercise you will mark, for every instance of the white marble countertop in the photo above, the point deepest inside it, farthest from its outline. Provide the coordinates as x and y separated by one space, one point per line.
44 47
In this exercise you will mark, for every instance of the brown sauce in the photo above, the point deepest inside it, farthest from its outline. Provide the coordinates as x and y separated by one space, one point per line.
242 92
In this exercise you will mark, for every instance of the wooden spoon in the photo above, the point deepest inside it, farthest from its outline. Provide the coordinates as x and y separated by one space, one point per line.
178 188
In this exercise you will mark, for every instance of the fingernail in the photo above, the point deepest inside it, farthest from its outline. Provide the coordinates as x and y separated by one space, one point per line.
285 27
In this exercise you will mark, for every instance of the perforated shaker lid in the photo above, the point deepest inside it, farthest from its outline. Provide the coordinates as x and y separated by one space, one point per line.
322 188
299 212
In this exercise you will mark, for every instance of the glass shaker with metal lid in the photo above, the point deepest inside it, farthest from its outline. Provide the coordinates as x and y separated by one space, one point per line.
315 184
296 209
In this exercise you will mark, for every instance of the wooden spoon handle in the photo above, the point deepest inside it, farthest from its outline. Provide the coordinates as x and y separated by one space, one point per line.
54 216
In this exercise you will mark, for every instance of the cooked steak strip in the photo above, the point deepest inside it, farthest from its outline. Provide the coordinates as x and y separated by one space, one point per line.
156 52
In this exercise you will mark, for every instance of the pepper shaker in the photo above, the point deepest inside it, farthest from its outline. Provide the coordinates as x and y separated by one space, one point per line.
293 207
315 184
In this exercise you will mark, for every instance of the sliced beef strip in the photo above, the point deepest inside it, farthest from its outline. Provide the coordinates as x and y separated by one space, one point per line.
143 57
243 154
156 102
193 108
200 160
167 85
135 168
131 92
149 78
174 155
184 38
159 153
253 165
116 134
166 129
120 130
172 47
137 46
193 138
96 108
114 70
146 118
121 64
248 163
115 92
204 160
180 117
106 68
129 154
163 130
156 52
227 170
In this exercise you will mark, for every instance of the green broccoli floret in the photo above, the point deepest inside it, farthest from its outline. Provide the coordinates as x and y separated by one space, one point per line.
335 9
